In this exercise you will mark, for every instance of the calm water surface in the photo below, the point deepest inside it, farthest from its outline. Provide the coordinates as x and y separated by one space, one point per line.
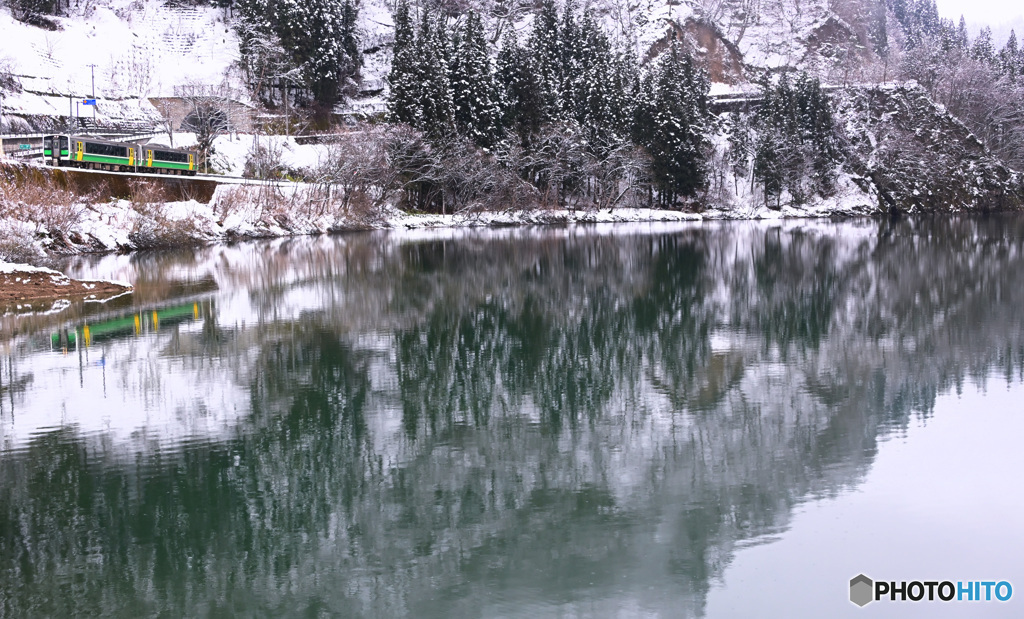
637 421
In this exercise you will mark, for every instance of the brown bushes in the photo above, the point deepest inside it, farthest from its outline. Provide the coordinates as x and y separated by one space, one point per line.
16 244
292 207
152 226
41 200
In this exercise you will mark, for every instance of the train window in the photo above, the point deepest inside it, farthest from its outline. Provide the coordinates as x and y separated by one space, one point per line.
108 150
63 142
174 157
48 143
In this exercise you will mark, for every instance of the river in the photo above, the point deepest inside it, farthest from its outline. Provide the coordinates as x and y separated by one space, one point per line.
726 419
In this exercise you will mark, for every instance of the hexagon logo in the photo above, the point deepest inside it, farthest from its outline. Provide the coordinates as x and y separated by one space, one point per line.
861 590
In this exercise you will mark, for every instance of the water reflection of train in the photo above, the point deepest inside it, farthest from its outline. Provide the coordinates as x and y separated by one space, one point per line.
133 324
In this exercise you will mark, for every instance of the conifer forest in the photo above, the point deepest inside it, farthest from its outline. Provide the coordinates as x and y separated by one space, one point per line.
506 105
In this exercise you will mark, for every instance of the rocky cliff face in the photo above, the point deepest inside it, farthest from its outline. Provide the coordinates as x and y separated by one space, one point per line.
919 158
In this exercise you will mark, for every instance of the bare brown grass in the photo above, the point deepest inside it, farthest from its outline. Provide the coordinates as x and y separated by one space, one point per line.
152 226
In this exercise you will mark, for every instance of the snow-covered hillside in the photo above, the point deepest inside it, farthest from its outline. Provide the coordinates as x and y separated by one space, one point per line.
125 51
130 50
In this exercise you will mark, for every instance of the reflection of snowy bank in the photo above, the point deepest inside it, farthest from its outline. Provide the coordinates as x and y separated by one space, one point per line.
130 392
811 287
363 288
433 398
26 289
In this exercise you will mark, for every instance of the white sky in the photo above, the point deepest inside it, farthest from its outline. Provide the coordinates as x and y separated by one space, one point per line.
983 11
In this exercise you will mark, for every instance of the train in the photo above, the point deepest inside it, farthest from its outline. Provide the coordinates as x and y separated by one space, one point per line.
96 154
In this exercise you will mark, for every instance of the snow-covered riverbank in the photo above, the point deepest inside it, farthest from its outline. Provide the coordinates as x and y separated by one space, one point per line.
34 233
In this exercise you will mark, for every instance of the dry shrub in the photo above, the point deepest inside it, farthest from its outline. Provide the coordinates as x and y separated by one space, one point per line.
264 203
16 244
230 201
144 192
454 176
358 171
269 201
265 160
40 198
362 210
59 219
152 226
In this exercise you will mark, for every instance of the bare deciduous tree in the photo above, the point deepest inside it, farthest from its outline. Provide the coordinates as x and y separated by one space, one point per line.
206 114
356 165
558 164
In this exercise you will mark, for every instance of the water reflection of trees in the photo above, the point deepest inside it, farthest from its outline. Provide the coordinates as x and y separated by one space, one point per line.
463 418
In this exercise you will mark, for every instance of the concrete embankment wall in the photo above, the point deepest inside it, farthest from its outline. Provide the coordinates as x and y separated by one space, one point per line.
107 185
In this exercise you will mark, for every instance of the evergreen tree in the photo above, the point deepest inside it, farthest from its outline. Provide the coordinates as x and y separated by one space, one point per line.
948 38
475 91
571 88
263 57
901 11
318 37
33 11
672 123
404 102
961 33
741 147
595 106
350 40
1020 61
546 52
768 165
919 19
926 14
313 31
1009 57
982 50
818 129
796 145
622 93
521 98
436 103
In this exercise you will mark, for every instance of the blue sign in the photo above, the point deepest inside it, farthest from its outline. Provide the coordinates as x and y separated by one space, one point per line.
88 101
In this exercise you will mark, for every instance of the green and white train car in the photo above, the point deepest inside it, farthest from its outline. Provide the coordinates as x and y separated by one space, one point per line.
95 154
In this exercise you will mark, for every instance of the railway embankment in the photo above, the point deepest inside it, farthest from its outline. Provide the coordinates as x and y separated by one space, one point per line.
99 185
46 212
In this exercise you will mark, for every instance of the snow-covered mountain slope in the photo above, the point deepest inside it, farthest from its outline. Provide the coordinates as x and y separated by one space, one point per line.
122 51
133 49
737 39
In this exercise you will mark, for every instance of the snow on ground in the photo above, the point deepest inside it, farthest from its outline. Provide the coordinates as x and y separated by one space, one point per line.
115 226
720 90
12 267
778 37
232 150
